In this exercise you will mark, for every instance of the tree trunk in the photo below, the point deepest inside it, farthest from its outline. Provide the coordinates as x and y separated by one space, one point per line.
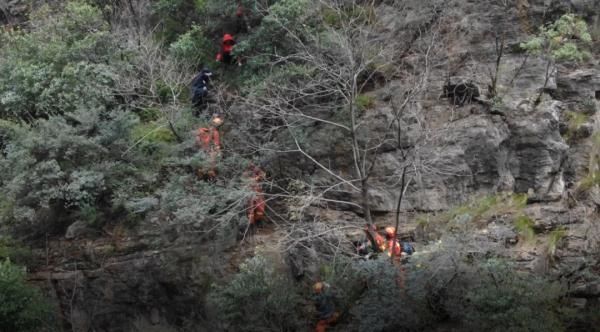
398 205
364 186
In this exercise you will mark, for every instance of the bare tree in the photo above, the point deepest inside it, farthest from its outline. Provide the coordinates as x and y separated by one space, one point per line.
327 82
157 80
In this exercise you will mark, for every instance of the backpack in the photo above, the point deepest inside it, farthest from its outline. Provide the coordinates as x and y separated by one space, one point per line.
408 248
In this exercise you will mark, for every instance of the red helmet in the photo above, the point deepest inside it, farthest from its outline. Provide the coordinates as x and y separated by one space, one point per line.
228 38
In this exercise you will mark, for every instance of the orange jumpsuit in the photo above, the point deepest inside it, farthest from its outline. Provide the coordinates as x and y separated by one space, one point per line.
394 248
209 140
256 210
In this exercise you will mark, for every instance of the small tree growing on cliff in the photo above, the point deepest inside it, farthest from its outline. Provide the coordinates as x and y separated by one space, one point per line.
325 82
562 41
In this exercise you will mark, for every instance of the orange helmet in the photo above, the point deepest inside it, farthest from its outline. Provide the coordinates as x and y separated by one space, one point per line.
318 287
216 120
390 232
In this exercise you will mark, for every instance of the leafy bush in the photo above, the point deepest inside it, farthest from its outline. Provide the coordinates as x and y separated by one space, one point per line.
153 138
10 249
259 298
390 301
175 17
63 165
57 67
22 307
560 40
502 299
193 47
564 40
271 37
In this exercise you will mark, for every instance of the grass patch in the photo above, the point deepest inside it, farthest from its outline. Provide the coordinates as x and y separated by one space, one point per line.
153 132
149 114
592 179
524 226
554 240
574 120
153 139
479 212
364 102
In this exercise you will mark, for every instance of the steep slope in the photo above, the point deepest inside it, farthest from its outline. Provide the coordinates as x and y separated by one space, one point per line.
494 177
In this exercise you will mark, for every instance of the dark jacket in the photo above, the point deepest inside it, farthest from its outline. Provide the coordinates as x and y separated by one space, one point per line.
200 86
324 305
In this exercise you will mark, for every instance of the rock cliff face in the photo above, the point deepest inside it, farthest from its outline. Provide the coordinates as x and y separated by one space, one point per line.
492 146
155 276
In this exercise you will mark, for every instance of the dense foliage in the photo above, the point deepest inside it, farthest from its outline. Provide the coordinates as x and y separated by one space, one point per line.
22 307
96 127
259 298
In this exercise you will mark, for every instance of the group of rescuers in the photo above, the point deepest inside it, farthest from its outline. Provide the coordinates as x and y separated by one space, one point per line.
208 140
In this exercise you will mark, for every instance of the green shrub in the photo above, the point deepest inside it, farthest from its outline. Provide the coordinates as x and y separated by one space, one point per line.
49 173
271 37
153 133
193 48
503 299
149 114
391 299
565 40
175 17
59 65
561 40
154 139
10 249
259 298
22 307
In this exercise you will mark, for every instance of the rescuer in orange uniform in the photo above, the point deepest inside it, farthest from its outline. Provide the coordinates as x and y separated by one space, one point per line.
209 141
256 209
325 307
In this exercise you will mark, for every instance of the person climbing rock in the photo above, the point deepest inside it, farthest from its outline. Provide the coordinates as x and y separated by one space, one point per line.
225 55
241 21
208 140
200 85
392 243
256 208
324 303
377 241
